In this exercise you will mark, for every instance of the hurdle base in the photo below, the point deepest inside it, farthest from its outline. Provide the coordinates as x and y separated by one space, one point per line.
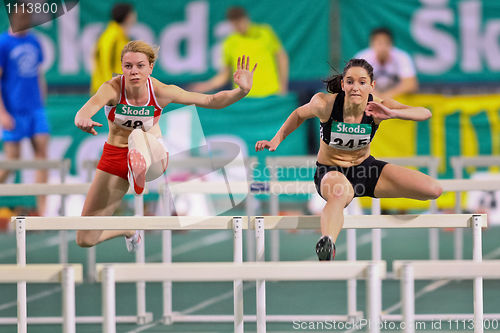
144 319
167 320
177 317
355 316
441 316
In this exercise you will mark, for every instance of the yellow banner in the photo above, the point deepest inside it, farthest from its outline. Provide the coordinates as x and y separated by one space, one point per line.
460 126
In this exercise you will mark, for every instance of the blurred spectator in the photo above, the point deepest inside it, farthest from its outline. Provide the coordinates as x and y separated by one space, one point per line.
260 43
23 88
107 53
393 69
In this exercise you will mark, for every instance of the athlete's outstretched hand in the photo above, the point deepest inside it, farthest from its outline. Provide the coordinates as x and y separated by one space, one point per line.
87 125
243 77
379 111
264 144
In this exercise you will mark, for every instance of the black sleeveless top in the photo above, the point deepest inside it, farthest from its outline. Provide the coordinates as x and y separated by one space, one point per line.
346 136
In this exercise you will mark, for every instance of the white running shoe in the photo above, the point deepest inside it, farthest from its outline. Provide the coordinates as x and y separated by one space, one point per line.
133 243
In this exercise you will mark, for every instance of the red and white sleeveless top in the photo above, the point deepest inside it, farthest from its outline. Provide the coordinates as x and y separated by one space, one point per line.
130 117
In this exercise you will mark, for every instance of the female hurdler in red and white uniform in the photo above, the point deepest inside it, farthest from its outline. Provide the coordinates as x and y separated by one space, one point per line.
133 104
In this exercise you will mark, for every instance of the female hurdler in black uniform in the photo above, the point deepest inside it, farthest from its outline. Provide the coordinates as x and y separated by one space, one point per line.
349 116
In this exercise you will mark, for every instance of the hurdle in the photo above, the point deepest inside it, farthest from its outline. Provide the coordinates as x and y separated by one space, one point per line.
63 166
66 275
459 163
476 222
82 189
237 224
409 271
64 189
109 274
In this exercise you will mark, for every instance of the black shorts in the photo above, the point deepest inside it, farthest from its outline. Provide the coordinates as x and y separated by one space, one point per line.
363 177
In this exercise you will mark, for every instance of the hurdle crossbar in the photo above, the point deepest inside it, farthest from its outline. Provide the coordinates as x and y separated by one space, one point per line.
379 221
38 273
247 271
306 187
225 222
67 275
35 164
8 190
129 222
409 271
109 274
237 187
449 269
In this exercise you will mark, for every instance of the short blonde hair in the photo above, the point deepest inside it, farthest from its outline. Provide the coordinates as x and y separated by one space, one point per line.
141 47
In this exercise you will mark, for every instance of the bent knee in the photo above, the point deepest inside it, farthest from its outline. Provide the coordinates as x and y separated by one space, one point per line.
435 190
335 188
83 239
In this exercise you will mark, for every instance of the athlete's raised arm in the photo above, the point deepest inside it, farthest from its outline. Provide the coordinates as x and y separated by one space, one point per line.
243 77
391 109
315 108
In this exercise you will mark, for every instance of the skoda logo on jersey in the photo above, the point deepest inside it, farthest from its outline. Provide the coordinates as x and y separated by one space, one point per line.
341 127
137 111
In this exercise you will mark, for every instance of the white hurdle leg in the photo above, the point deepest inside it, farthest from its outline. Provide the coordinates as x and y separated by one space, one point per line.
408 298
477 255
352 310
274 234
140 257
22 321
275 211
166 236
166 203
376 233
91 260
63 234
249 238
434 236
434 232
68 300
260 285
108 300
374 297
63 246
91 251
458 233
238 284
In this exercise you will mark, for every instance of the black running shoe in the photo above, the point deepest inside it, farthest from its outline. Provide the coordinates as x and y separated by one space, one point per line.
325 248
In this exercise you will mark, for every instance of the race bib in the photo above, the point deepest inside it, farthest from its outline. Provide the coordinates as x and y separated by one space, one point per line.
350 136
132 117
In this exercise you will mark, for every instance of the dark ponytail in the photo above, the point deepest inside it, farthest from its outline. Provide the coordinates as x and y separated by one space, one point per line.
333 83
